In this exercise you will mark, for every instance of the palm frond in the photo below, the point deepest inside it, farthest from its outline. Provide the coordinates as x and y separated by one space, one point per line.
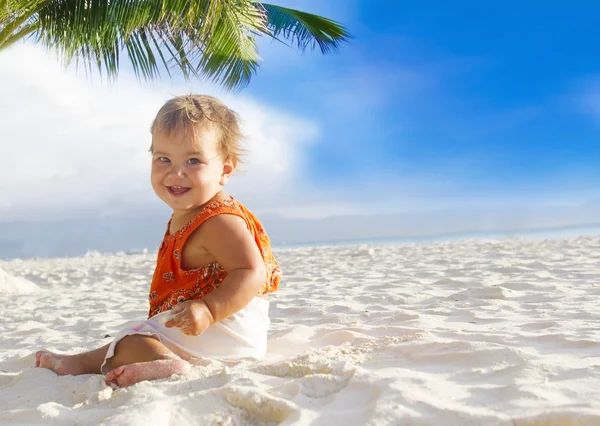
215 39
12 37
229 54
305 29
210 38
17 19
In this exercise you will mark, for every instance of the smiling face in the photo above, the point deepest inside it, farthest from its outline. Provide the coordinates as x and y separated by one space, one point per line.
188 172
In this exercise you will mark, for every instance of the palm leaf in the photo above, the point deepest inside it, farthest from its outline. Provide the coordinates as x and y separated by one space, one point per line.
305 29
18 35
202 38
17 19
229 54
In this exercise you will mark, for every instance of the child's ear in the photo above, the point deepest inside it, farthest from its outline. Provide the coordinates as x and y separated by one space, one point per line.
228 168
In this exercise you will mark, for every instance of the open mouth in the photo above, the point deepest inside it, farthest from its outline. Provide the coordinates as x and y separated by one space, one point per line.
177 190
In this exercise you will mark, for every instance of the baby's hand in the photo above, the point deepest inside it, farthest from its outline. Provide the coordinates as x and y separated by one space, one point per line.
192 317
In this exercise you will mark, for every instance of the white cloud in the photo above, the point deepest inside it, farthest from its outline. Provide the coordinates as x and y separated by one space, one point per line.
73 144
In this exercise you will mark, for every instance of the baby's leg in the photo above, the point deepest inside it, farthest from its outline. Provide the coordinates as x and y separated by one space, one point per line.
83 363
138 358
130 374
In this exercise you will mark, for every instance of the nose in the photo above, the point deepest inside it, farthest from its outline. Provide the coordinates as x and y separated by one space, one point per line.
176 171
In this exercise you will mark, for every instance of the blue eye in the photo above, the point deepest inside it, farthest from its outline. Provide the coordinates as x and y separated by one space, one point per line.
163 160
193 161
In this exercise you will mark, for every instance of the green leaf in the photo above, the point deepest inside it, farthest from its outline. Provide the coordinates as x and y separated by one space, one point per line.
305 29
214 39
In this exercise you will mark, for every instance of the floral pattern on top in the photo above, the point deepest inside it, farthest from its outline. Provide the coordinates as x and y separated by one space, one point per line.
172 285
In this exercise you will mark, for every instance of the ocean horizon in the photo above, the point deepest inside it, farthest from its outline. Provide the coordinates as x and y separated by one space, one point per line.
541 233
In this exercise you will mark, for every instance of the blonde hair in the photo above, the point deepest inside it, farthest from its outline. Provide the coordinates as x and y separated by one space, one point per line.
189 113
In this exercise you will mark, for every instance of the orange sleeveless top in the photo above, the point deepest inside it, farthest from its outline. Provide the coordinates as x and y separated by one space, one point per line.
172 285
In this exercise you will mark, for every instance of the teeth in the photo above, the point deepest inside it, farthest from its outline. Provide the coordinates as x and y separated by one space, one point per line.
178 189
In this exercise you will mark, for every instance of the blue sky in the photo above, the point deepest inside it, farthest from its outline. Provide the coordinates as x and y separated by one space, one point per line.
496 97
460 115
432 105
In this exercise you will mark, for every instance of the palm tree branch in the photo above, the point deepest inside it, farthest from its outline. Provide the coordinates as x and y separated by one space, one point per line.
16 36
12 17
305 29
211 38
230 54
159 50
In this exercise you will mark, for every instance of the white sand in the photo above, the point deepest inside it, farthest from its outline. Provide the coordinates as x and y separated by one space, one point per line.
458 333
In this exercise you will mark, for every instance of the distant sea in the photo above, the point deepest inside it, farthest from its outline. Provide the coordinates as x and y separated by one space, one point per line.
528 234
50 248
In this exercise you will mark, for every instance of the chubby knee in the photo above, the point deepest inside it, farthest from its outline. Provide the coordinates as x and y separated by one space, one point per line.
136 340
136 343
136 348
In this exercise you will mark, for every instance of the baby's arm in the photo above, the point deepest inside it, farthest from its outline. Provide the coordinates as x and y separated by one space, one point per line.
227 239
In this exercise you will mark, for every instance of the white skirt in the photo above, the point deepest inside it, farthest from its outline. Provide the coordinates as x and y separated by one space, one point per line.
242 335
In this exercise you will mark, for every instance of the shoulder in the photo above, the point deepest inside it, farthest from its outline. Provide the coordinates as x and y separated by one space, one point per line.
221 233
222 218
223 224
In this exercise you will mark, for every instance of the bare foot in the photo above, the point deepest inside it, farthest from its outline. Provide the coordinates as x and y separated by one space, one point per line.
60 364
130 374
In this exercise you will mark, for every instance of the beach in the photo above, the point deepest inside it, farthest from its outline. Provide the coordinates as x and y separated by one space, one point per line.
465 332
